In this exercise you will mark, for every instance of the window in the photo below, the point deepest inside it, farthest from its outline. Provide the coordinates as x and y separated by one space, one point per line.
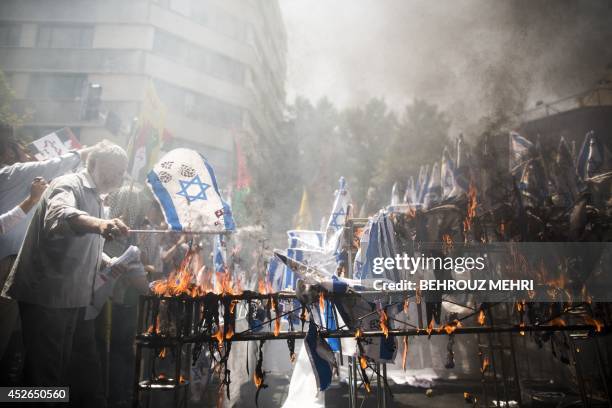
198 106
65 36
10 35
56 86
196 57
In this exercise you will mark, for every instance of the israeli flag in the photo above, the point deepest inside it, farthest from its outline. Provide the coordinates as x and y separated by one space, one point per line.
306 239
423 183
220 254
321 357
395 194
593 158
433 192
275 274
410 194
337 219
450 188
184 184
520 149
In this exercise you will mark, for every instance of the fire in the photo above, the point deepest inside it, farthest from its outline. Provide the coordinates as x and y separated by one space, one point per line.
452 326
384 323
471 208
481 317
405 353
522 326
277 325
321 302
155 328
559 322
485 365
367 387
229 333
363 362
447 242
181 379
261 287
430 327
595 323
161 376
162 353
257 380
219 336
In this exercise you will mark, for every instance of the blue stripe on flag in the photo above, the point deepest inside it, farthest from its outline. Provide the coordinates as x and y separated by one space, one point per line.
321 367
228 219
165 201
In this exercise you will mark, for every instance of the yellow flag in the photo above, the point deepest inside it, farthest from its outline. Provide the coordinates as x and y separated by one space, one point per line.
303 220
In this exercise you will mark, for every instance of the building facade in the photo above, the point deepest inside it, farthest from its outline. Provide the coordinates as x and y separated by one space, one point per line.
218 66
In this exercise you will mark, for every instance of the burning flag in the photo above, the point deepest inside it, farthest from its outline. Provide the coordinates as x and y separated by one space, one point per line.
520 150
593 159
321 357
184 184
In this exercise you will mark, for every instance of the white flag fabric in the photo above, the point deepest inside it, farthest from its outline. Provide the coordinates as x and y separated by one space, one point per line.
184 184
519 151
447 176
395 195
433 190
337 219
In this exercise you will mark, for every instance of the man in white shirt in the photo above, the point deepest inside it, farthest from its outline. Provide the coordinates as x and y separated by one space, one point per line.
12 217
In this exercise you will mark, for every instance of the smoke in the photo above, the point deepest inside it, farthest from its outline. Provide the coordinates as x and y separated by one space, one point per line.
474 58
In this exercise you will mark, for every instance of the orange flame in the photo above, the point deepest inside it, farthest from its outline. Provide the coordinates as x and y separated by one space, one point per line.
181 379
384 324
405 353
363 362
485 365
430 326
321 302
595 323
522 326
447 242
471 208
452 326
559 322
358 333
481 317
257 380
367 387
219 336
261 287
229 333
162 353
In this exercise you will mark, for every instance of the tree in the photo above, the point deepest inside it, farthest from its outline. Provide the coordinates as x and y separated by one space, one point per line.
7 115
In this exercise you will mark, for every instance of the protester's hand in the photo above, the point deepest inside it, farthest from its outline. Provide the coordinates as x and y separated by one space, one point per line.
39 185
111 229
119 269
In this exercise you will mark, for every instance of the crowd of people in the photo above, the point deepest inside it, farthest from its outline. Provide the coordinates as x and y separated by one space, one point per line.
62 221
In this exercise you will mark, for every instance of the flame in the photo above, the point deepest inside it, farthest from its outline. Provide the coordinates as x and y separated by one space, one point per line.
430 327
447 242
321 302
363 362
181 379
219 336
384 324
358 333
277 325
471 208
522 326
367 387
162 353
485 365
161 376
559 322
229 333
481 317
595 323
405 353
520 306
261 287
452 326
155 328
257 380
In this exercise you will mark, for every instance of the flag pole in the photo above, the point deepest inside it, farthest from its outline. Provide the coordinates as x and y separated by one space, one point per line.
203 232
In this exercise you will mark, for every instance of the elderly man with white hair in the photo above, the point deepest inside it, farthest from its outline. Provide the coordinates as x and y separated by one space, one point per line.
53 275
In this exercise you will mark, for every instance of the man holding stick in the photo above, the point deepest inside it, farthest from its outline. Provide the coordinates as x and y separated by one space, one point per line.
53 275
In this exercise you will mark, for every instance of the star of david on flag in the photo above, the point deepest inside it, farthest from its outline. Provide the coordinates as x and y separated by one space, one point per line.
199 189
184 184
